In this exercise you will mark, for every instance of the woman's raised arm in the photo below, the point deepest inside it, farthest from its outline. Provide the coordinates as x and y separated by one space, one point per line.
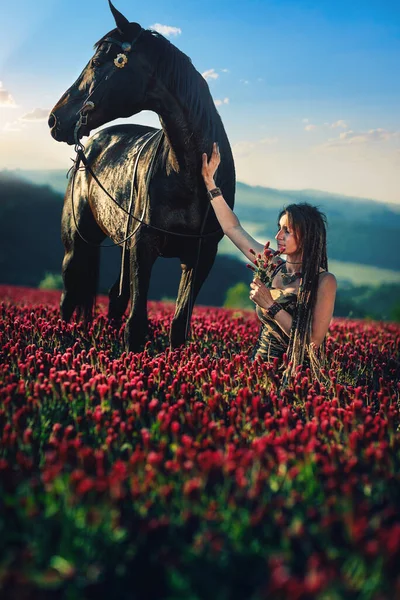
226 217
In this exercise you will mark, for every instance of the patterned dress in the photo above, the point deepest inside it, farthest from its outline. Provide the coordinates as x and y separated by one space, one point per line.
272 340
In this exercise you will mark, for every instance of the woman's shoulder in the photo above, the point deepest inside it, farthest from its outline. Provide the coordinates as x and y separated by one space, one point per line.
327 279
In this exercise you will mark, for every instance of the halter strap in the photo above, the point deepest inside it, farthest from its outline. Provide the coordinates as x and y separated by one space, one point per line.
126 46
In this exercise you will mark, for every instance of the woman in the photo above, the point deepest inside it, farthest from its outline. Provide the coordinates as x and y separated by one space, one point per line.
297 308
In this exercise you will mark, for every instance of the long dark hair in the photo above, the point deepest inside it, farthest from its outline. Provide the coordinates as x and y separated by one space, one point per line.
309 228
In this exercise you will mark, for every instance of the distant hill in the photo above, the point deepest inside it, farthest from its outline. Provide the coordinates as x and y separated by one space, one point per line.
30 247
360 231
336 205
55 178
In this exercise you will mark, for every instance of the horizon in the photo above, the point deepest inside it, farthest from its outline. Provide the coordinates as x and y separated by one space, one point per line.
308 98
289 190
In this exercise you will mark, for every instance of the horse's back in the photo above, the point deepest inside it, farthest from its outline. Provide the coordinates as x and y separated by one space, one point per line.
118 142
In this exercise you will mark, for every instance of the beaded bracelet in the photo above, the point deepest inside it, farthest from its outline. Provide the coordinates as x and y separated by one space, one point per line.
214 193
274 309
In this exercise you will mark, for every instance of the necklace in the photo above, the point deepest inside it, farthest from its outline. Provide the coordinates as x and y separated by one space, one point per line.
293 263
289 277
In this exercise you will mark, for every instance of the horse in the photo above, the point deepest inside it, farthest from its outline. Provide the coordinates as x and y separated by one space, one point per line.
140 186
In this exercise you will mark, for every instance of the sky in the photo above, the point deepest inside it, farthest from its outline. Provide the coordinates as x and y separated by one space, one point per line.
308 91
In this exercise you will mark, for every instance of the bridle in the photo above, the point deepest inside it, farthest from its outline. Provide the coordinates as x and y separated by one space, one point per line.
120 61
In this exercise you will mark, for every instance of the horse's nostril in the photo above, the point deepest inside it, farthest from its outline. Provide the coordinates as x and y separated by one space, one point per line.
52 120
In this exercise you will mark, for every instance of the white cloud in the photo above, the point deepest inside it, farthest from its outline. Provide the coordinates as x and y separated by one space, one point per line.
244 81
339 123
210 74
310 127
37 114
245 148
306 120
14 126
269 141
218 102
225 70
351 137
166 30
6 99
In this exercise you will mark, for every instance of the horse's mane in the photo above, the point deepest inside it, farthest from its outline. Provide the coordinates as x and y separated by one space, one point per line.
176 69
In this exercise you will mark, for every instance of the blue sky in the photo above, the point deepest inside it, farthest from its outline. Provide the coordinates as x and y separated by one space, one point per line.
309 92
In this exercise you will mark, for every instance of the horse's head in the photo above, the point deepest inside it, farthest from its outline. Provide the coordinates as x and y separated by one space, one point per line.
113 84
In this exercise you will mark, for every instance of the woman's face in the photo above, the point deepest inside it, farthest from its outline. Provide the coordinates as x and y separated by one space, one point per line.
285 236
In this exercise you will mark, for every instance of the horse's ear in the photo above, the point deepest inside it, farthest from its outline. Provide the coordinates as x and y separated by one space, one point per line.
121 22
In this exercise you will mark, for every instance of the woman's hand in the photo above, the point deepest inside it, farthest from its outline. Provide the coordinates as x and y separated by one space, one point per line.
209 168
260 294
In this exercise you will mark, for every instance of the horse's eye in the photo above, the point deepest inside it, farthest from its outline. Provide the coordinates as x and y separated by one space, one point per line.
96 62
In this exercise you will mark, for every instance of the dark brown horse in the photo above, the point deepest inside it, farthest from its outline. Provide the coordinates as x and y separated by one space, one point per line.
133 70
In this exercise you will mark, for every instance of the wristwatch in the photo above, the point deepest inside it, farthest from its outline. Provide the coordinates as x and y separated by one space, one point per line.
214 193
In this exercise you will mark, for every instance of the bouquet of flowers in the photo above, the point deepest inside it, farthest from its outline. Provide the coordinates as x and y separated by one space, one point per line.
264 264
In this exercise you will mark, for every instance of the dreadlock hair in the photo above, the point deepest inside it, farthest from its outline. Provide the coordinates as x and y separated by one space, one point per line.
309 228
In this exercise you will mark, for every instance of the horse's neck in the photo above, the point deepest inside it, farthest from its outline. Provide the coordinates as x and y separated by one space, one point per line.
187 140
178 143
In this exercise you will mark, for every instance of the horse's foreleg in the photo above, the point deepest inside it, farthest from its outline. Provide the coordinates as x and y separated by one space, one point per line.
80 270
80 267
142 257
189 286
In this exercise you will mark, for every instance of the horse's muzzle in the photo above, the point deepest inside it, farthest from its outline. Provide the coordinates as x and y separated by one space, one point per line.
53 123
